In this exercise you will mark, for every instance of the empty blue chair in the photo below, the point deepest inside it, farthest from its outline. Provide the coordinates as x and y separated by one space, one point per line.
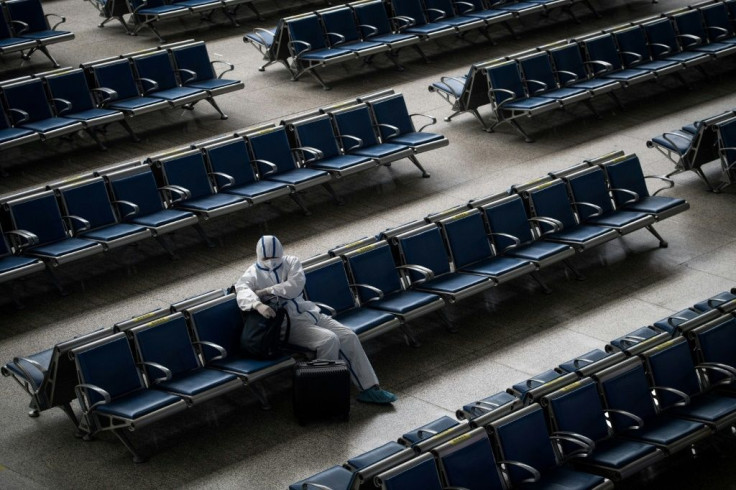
479 10
532 389
724 302
231 167
198 71
684 320
715 345
9 42
635 53
147 13
591 362
29 21
116 86
468 462
718 23
327 286
694 36
444 12
541 81
171 364
375 25
481 412
189 187
271 43
527 453
603 54
29 108
342 31
727 151
638 341
433 434
11 136
91 215
574 73
626 392
112 393
576 410
13 266
419 473
663 42
414 20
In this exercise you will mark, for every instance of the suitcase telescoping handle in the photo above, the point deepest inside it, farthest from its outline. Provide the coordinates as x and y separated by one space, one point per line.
321 362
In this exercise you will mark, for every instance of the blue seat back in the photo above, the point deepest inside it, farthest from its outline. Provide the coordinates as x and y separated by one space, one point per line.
538 67
71 86
166 342
671 364
467 238
194 57
156 66
340 21
632 40
551 200
691 23
189 171
5 31
425 248
375 266
40 215
590 186
419 473
28 11
578 408
118 76
569 59
219 321
328 283
523 436
661 33
717 20
412 9
372 14
356 121
727 140
29 96
718 344
110 365
627 389
231 158
317 132
307 29
626 174
392 110
505 76
88 200
603 48
508 216
272 145
140 189
4 247
468 462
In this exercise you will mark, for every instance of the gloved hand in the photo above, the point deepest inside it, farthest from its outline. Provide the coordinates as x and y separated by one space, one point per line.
264 292
265 310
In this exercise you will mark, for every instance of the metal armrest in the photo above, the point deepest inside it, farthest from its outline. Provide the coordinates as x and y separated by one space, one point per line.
230 66
67 105
291 44
329 309
531 469
192 75
358 142
470 7
515 239
71 218
637 57
393 128
230 179
29 238
574 76
485 405
720 30
424 271
26 374
182 192
340 38
598 209
667 48
104 94
663 179
554 223
718 367
61 21
144 4
263 40
218 348
492 92
404 20
106 398
316 154
632 339
441 14
135 211
433 120
421 433
152 83
685 397
23 26
24 116
379 293
542 86
586 445
373 30
272 168
692 37
606 66
639 421
160 367
627 191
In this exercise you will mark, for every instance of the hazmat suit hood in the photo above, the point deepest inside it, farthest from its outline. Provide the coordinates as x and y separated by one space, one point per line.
269 253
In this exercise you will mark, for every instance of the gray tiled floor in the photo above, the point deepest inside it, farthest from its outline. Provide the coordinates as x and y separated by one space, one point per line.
513 332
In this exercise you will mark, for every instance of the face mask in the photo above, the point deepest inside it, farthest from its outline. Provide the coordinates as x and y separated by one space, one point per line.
271 264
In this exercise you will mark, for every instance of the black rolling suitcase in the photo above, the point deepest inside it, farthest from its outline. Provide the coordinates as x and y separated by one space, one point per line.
321 391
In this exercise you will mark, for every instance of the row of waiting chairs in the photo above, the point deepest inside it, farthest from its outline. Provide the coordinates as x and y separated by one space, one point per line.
601 417
148 13
25 28
557 75
87 214
68 100
360 284
704 141
361 30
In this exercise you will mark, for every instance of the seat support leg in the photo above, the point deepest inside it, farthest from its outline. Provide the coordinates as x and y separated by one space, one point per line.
421 53
55 280
260 392
518 128
137 458
446 320
409 336
331 190
45 51
255 11
204 236
212 102
616 100
538 279
300 202
165 245
511 30
590 106
415 161
662 242
130 131
699 172
574 270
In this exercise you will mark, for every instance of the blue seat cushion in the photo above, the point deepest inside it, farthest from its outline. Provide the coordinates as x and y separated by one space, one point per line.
657 64
211 202
451 85
578 234
163 9
691 128
161 218
416 138
496 266
175 93
255 189
262 37
594 84
90 114
403 302
114 232
63 247
137 404
617 219
713 48
212 84
538 251
485 14
9 42
244 366
529 103
132 103
617 453
654 204
565 478
664 430
43 358
297 176
392 38
50 124
12 262
340 162
627 74
379 151
684 57
515 7
710 408
679 141
452 282
44 35
361 45
195 382
562 93
10 134
322 54
361 320
335 478
715 301
427 29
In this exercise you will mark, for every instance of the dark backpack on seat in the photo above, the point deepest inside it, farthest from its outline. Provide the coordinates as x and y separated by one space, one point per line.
261 336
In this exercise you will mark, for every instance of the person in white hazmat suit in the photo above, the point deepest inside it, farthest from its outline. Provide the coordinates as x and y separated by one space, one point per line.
278 278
